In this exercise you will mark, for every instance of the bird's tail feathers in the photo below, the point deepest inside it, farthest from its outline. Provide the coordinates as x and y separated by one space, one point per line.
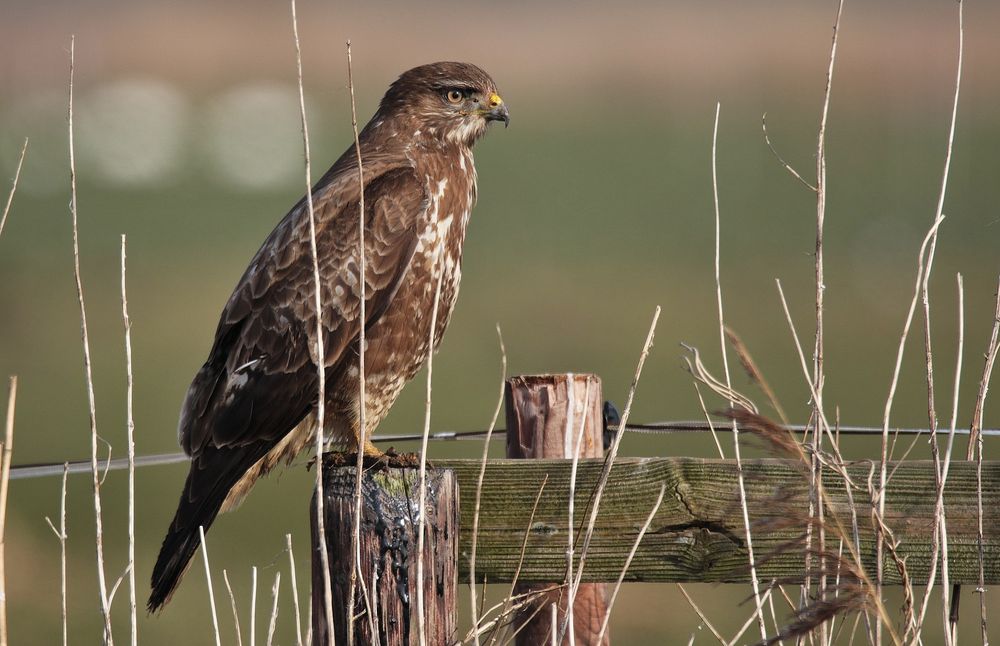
213 474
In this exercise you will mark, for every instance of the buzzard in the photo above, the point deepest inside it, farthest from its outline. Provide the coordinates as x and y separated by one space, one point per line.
252 405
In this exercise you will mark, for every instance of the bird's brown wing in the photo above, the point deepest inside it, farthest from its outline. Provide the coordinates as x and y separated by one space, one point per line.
263 355
260 381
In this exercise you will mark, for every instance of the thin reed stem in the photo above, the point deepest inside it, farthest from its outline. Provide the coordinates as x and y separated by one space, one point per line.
421 501
324 555
130 429
754 581
88 372
479 487
211 591
5 457
13 186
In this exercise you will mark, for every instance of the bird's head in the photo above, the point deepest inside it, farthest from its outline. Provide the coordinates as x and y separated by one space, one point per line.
451 101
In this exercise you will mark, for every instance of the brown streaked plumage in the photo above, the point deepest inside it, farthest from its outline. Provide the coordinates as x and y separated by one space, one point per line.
252 404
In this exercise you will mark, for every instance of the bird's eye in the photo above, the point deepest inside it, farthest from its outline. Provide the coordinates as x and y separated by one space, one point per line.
455 96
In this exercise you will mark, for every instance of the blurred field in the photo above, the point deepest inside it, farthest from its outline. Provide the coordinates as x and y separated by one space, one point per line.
595 206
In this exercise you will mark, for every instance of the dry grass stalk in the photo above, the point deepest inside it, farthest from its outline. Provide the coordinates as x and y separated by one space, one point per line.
628 562
573 444
975 450
88 373
272 624
701 615
539 599
13 186
837 463
945 582
925 275
253 606
755 583
232 604
505 608
701 374
794 173
513 603
782 442
362 408
879 492
421 502
479 487
754 372
320 352
609 459
211 591
939 541
8 451
130 429
295 590
819 613
708 420
750 620
61 535
819 378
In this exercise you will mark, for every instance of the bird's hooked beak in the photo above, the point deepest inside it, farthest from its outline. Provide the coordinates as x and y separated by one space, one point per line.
497 110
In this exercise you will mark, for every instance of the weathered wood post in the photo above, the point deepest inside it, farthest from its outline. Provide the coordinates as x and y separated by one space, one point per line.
388 566
558 416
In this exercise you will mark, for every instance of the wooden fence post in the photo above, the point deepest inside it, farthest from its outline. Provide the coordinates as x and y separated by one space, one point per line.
551 416
389 525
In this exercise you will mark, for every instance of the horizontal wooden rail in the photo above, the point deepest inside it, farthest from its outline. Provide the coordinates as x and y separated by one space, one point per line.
697 534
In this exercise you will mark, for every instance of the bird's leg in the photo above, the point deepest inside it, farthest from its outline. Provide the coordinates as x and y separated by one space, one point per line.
379 459
371 451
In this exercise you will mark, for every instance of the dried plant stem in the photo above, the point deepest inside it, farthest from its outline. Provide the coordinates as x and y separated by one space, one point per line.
704 619
755 374
8 451
272 624
320 351
232 603
573 445
253 606
13 186
952 634
746 625
211 591
975 450
61 535
794 173
628 562
505 606
362 406
755 583
130 428
421 501
708 420
855 545
951 626
88 373
513 602
609 459
295 590
819 378
879 507
479 487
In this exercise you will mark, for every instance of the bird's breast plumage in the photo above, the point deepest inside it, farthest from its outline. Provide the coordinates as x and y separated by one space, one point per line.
399 342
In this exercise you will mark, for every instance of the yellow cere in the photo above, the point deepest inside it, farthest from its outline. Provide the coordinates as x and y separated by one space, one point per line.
495 99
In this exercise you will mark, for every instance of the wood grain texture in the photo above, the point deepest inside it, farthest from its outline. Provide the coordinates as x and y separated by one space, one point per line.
389 555
698 535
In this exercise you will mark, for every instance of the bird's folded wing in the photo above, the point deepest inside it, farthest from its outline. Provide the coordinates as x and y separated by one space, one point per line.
260 379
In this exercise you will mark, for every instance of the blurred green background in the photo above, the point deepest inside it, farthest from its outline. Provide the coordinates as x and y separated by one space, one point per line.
595 206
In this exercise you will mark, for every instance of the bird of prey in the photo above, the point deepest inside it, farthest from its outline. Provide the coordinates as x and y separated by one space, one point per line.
252 405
